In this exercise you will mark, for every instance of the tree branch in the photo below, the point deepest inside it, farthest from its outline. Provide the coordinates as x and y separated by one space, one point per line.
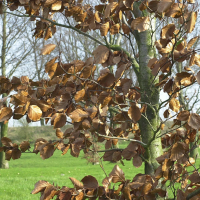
126 139
61 25
192 194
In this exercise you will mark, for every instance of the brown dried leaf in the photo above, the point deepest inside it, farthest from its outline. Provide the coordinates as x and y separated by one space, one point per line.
108 155
16 153
158 173
49 192
134 113
86 124
190 162
75 150
192 21
3 101
5 114
183 115
106 79
167 32
77 184
34 113
6 141
103 111
177 151
106 181
40 186
136 184
194 178
116 156
180 195
59 133
159 191
166 113
79 95
194 121
162 126
126 192
192 41
47 151
117 174
137 161
80 196
174 104
109 9
161 158
59 120
49 64
164 6
8 155
101 54
125 29
166 164
194 59
25 145
176 10
65 150
108 144
78 115
146 188
198 77
120 70
52 69
104 28
114 29
90 182
141 24
47 49
57 5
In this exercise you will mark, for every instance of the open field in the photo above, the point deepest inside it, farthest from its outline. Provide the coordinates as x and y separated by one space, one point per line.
17 182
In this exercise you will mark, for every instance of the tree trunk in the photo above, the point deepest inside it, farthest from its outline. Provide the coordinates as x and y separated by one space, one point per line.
4 127
4 130
150 94
42 121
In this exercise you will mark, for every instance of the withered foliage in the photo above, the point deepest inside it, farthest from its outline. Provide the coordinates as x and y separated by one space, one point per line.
75 91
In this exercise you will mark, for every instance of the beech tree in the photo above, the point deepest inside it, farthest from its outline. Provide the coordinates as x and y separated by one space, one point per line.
108 106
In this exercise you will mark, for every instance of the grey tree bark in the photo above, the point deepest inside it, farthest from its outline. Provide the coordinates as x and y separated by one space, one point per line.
4 126
149 94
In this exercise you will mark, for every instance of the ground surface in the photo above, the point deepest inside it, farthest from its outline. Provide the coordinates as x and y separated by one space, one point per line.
17 182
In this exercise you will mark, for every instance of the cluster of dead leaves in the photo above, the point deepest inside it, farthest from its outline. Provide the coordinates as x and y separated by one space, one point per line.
172 168
132 151
107 16
142 186
191 120
69 86
12 150
174 48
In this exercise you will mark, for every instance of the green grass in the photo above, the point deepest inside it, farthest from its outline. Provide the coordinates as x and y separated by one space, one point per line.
17 182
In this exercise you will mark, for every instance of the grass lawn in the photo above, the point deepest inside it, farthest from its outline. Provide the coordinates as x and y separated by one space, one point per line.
17 182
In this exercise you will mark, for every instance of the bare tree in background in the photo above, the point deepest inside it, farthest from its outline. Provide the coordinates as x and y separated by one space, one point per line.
14 53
